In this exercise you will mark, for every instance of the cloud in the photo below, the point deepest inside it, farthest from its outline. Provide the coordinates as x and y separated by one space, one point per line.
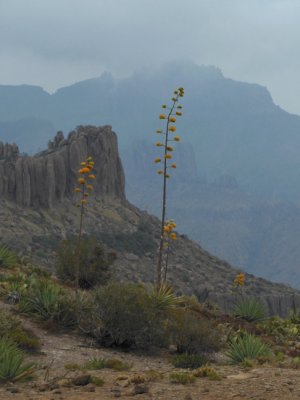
252 40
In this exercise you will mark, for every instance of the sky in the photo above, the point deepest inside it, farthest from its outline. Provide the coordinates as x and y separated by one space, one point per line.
54 43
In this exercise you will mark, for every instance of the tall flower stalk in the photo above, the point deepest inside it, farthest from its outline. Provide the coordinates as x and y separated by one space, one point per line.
84 188
173 112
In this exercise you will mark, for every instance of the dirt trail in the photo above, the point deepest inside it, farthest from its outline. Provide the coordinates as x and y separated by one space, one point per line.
60 349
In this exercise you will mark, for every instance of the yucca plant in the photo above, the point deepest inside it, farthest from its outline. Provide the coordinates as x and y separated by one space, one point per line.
47 302
249 309
12 366
7 257
247 346
164 297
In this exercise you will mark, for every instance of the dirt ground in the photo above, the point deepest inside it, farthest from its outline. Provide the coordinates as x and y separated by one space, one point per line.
52 380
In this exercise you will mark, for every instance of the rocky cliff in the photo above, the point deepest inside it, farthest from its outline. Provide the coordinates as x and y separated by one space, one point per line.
37 211
50 176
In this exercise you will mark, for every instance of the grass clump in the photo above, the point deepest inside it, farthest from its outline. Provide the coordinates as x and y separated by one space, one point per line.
111 363
7 258
97 381
191 361
250 309
182 377
247 346
12 366
11 327
208 372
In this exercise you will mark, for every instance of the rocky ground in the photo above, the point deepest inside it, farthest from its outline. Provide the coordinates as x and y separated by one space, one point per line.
148 378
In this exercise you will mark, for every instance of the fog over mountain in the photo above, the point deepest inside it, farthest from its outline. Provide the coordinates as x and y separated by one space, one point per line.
236 187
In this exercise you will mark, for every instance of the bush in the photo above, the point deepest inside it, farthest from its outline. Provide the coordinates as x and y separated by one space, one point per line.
182 377
12 367
249 309
193 333
94 263
111 363
281 330
208 372
125 315
191 361
49 303
11 326
7 257
247 346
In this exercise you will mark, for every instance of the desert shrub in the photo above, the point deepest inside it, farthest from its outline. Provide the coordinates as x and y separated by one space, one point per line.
280 329
193 333
94 262
191 361
12 366
46 301
11 326
247 346
182 377
208 372
249 309
97 381
7 257
111 363
125 315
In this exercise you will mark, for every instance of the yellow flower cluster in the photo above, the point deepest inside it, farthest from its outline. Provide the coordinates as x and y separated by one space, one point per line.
239 280
171 118
86 173
168 229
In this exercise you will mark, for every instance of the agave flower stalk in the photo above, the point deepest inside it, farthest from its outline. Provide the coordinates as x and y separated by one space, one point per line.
174 111
86 175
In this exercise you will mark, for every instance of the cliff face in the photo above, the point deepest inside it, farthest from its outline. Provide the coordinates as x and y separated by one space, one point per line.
50 176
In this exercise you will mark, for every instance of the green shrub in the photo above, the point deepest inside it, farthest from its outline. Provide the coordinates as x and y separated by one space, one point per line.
191 361
125 315
111 363
97 381
249 309
192 333
7 257
208 372
247 346
12 367
11 326
48 302
94 263
182 377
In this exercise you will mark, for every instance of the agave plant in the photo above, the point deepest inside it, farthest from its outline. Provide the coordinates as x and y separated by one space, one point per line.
12 367
164 297
249 309
7 257
247 346
47 302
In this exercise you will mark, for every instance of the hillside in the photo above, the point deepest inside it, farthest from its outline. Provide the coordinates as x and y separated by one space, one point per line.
35 218
229 129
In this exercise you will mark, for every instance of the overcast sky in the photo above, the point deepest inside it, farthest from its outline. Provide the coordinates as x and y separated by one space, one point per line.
53 43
